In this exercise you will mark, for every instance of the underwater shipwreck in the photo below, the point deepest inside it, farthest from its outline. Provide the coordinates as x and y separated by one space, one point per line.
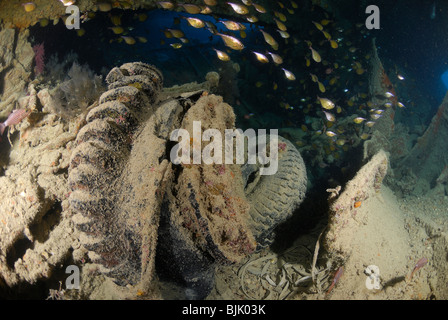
92 206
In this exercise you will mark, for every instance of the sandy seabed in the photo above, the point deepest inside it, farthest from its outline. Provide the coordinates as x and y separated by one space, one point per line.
394 236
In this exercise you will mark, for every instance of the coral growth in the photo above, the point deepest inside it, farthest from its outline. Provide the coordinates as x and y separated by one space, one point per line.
80 88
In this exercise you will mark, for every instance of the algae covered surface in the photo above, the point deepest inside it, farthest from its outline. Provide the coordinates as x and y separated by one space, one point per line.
86 177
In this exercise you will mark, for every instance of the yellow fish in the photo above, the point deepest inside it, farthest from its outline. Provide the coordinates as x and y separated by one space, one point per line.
191 8
326 103
142 39
206 10
195 22
252 19
167 34
330 133
176 33
281 26
258 84
269 39
211 2
231 42
315 55
259 8
80 32
116 20
28 7
43 22
289 75
239 8
318 26
117 29
358 120
280 15
128 40
232 25
329 116
364 136
283 34
308 62
261 57
334 44
176 45
321 86
276 58
294 5
333 81
222 55
326 35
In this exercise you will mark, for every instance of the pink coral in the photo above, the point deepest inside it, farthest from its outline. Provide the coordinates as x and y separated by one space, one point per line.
39 58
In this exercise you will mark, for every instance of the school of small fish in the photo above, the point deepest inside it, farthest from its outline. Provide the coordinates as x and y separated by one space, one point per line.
330 81
357 106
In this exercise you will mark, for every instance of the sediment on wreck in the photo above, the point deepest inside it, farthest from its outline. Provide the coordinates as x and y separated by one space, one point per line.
16 61
203 218
379 83
344 218
427 160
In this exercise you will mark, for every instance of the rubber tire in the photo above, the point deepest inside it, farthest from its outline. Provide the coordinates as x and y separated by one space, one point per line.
274 198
